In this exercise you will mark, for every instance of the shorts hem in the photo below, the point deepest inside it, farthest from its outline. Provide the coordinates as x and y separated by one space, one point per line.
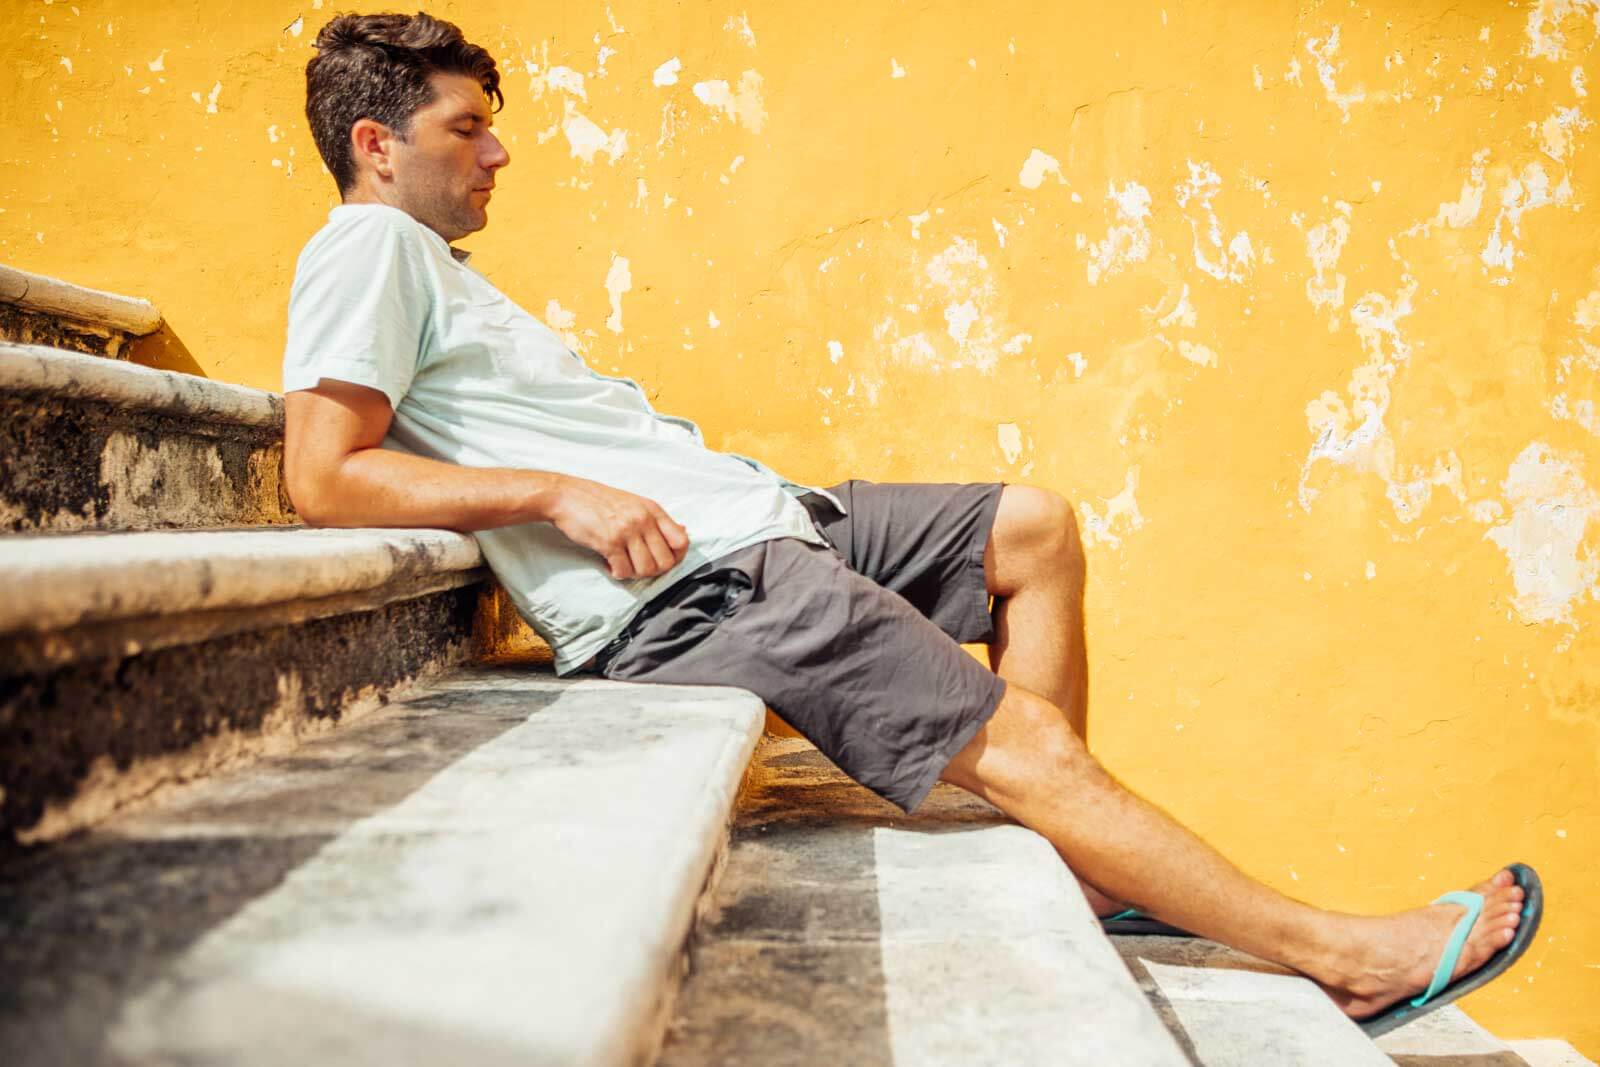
940 757
982 629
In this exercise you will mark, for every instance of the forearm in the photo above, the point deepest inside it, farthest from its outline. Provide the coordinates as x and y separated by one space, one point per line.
378 487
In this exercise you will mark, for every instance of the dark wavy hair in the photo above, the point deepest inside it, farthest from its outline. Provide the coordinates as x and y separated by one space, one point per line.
377 67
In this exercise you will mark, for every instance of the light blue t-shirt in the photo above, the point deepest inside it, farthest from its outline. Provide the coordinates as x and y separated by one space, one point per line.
381 300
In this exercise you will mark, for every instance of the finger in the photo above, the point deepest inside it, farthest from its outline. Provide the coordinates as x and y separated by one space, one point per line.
664 556
644 565
621 567
675 535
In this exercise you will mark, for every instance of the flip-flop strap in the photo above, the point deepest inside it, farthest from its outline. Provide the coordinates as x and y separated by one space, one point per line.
1131 913
1473 902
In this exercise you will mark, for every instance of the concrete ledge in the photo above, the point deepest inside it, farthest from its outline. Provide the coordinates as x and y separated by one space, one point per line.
89 443
54 582
37 292
37 369
502 868
79 742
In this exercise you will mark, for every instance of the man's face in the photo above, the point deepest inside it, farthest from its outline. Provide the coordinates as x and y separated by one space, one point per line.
442 176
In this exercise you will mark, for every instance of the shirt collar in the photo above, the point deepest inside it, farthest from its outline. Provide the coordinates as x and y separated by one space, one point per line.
460 255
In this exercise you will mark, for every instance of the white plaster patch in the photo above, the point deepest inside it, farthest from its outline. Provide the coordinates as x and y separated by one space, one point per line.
712 320
587 139
1521 194
836 353
65 62
667 73
1463 211
1126 242
297 26
1037 167
1324 51
618 281
211 99
1121 516
744 106
1555 133
159 62
960 318
1079 364
1324 242
1010 440
916 224
1196 353
957 280
741 26
895 69
1551 506
1587 311
1577 81
1356 435
564 80
1000 232
1233 262
1543 29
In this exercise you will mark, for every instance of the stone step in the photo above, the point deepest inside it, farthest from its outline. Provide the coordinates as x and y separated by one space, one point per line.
844 932
1228 1008
95 444
35 309
131 660
502 868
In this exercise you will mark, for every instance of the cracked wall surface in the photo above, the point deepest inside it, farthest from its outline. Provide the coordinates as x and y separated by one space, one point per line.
1298 304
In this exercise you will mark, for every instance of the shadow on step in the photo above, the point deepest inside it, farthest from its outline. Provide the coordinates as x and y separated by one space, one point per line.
91 922
788 964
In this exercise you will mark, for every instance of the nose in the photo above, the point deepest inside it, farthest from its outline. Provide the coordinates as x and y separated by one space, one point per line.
496 157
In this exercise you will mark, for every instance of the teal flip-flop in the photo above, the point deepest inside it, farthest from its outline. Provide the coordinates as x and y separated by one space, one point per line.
1441 990
1135 923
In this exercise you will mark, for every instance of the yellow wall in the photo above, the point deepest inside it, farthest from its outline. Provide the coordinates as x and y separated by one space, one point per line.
1299 304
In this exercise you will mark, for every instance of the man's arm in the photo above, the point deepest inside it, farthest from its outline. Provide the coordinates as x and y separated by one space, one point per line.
336 475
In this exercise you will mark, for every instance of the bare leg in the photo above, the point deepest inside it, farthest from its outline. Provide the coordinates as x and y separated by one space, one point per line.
1033 565
1029 763
1030 760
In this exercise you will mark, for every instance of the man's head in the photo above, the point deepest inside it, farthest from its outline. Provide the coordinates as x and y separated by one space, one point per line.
399 108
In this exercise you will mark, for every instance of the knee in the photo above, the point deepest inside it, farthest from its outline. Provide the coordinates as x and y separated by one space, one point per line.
1053 529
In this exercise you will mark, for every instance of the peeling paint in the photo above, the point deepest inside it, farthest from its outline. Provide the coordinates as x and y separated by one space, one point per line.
1551 506
1036 168
1127 242
667 73
618 281
744 107
1122 515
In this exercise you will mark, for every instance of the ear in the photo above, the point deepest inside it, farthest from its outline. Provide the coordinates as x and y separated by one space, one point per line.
371 145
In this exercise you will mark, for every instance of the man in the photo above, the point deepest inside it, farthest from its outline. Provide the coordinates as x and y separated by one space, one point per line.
419 395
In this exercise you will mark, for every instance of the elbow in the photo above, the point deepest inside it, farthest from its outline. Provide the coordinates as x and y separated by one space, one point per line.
309 500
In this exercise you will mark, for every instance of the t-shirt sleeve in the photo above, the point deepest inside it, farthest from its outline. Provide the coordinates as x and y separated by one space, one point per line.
358 309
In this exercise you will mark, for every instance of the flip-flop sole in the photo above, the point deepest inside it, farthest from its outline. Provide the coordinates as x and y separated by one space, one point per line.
1403 1012
1143 926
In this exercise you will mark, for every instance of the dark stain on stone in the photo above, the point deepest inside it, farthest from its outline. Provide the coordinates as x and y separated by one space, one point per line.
54 726
87 923
50 460
27 327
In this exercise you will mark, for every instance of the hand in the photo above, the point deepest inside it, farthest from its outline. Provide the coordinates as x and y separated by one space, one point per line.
632 533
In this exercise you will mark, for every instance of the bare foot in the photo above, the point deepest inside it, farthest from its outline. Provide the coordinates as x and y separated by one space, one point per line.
1402 950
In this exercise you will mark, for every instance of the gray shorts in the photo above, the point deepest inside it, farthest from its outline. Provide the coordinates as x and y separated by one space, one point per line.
858 645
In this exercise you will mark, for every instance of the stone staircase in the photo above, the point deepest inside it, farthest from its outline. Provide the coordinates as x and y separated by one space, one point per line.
265 798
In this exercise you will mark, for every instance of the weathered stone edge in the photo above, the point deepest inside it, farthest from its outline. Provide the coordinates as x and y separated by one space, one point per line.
42 293
183 712
56 581
38 369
